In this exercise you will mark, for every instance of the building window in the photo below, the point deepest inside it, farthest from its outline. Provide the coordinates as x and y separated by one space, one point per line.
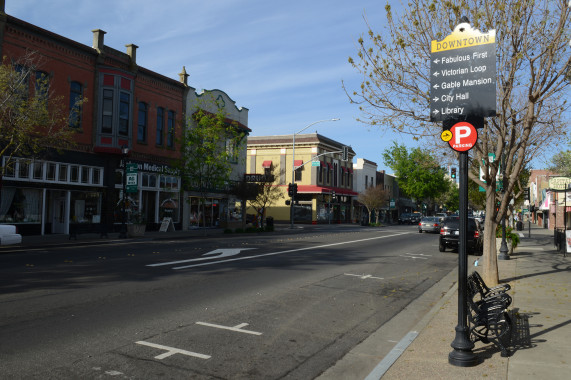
62 177
366 181
320 174
170 129
42 84
115 109
142 123
75 93
160 125
232 150
38 170
74 173
124 112
298 174
107 116
335 174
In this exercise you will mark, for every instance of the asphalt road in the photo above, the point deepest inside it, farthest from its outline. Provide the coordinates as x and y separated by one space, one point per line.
245 307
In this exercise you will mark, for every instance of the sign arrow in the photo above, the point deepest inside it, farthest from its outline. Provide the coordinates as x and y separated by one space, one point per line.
435 99
436 74
436 86
222 252
436 61
436 112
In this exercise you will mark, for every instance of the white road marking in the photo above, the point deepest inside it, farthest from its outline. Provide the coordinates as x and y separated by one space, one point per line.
172 351
237 328
416 256
363 276
288 251
223 252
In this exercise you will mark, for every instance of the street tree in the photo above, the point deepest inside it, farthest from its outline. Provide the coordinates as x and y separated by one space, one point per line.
419 174
33 120
561 163
209 145
269 193
532 73
374 198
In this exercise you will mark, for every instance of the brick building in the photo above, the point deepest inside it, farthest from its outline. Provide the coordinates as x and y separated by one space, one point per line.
127 105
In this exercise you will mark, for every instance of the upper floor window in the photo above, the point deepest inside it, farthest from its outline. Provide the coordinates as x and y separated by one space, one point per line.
170 129
142 122
124 112
160 125
42 84
115 111
75 94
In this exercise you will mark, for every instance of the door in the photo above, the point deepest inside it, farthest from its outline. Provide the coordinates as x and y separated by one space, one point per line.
58 219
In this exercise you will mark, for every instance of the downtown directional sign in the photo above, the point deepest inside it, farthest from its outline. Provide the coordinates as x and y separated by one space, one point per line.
463 75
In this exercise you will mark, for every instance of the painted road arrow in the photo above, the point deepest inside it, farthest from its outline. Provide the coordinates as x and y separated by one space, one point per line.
216 254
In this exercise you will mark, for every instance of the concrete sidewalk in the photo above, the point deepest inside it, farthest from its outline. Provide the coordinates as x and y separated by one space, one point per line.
541 311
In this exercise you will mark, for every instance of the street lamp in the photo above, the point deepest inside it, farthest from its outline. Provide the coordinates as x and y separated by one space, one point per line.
124 153
293 164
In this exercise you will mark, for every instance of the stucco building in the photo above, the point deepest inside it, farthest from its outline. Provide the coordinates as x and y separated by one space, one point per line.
325 181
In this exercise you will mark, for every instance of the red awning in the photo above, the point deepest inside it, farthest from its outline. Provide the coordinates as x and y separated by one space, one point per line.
266 164
330 165
297 163
344 169
350 170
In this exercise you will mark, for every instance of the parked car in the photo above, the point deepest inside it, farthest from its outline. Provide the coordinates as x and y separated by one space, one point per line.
450 234
415 217
404 218
429 224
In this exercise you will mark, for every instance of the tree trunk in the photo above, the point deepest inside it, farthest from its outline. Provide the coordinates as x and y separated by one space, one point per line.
489 257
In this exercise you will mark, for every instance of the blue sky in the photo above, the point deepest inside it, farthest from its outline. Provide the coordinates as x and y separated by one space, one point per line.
284 61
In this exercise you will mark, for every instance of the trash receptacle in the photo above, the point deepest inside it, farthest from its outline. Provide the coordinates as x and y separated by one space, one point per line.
269 221
519 226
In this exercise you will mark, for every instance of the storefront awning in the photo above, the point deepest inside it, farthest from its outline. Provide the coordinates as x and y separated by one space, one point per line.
266 164
330 165
297 163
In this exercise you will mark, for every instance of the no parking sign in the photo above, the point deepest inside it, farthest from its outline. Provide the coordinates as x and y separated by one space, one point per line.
461 137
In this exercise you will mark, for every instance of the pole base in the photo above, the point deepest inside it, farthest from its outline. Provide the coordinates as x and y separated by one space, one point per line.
461 358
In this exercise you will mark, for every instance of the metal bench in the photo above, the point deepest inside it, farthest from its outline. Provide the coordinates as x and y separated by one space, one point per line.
487 312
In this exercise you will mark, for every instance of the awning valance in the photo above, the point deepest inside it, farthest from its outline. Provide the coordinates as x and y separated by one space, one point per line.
297 163
266 164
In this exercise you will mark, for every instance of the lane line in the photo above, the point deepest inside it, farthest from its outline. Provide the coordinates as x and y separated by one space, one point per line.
288 251
237 328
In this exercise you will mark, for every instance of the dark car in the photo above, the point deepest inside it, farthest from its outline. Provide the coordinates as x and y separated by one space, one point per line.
449 235
429 224
405 218
415 217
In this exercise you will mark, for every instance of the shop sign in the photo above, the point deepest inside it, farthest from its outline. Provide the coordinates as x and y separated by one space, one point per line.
559 183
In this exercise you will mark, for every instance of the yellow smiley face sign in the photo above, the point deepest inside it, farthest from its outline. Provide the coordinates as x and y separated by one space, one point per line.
446 135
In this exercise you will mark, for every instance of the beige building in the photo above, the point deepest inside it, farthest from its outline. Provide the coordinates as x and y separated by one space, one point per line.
324 179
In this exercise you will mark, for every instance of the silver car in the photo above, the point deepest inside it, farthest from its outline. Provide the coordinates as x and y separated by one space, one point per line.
429 224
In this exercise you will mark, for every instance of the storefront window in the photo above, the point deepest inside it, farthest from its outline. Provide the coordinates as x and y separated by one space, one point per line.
85 207
20 205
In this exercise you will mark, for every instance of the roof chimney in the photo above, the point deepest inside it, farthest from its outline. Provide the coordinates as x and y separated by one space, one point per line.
183 76
98 36
132 53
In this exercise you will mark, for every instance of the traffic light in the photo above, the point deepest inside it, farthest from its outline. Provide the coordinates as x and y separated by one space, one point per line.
290 190
453 173
295 189
526 193
345 155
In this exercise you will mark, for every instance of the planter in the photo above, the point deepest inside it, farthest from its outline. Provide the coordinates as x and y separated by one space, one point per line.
499 244
136 230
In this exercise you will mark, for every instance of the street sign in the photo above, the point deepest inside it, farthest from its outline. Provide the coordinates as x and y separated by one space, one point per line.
464 136
131 179
463 75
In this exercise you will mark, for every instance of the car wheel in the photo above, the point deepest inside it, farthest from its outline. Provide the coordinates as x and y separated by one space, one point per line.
441 247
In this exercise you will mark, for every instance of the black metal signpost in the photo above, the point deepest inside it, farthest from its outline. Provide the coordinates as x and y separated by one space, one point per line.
463 92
